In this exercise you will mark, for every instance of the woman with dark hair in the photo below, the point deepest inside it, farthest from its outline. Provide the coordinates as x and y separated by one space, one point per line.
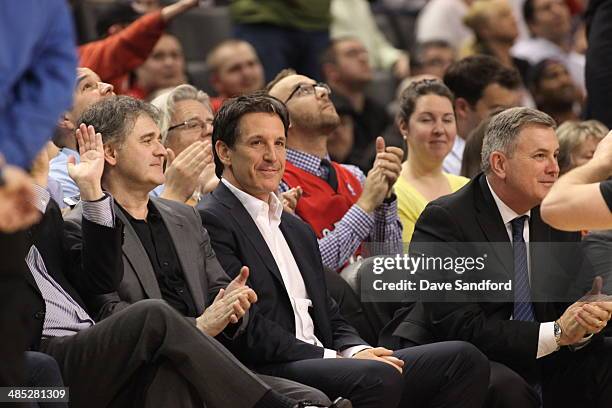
427 123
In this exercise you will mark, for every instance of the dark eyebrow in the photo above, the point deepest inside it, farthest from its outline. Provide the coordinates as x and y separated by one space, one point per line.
80 79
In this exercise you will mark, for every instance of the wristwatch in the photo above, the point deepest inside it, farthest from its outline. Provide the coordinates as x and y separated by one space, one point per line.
558 332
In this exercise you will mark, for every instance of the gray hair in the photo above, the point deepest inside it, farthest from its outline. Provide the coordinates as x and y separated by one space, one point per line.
572 134
115 117
503 131
166 103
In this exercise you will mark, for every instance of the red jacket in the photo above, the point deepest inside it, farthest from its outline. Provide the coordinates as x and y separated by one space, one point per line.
115 56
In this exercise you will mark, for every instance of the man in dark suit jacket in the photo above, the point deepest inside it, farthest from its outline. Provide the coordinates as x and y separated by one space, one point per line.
167 255
306 339
143 355
527 333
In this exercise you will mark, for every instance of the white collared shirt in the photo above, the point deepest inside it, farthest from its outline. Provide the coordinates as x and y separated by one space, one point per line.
454 158
267 217
546 339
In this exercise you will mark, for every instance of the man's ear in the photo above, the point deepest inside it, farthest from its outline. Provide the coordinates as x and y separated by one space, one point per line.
110 154
462 108
498 162
66 123
224 153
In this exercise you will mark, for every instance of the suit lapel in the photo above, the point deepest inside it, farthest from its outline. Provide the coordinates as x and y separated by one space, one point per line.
248 227
184 248
137 256
492 225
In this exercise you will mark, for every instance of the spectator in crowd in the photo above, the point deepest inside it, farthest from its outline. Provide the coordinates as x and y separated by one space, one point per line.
163 69
481 85
432 58
245 219
354 19
555 92
359 208
166 251
89 89
128 43
186 129
577 142
347 70
582 198
495 31
470 165
284 34
234 69
37 60
523 332
443 20
427 123
549 23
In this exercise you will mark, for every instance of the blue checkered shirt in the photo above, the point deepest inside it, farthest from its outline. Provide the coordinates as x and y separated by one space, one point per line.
382 229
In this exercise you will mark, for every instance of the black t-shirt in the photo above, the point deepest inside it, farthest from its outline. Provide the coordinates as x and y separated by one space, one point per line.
606 192
156 240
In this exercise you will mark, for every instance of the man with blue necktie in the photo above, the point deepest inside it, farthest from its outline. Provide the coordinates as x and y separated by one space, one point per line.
540 348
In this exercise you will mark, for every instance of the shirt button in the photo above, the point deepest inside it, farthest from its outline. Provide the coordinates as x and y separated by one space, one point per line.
165 263
39 315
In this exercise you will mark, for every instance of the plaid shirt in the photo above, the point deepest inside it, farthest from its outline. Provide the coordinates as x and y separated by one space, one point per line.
382 228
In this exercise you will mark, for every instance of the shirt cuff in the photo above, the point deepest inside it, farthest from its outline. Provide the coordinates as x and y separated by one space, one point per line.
100 211
361 221
547 343
41 198
351 351
386 212
329 353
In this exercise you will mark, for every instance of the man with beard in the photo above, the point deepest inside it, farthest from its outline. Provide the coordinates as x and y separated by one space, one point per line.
555 92
346 68
357 208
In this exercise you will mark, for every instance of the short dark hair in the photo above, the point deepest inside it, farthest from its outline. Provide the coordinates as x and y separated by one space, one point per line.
226 124
115 117
529 11
415 90
468 78
328 56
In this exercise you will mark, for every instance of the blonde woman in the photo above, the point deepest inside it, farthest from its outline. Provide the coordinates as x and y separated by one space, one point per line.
577 142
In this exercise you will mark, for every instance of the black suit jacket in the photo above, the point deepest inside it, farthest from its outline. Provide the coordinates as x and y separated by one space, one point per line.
237 242
470 215
83 267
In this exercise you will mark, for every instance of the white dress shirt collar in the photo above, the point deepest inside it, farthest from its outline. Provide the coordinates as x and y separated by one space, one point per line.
256 207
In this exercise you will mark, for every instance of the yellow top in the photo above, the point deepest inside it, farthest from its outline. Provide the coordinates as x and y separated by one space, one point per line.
410 203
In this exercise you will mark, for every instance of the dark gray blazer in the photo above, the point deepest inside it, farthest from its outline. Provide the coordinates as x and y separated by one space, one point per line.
203 273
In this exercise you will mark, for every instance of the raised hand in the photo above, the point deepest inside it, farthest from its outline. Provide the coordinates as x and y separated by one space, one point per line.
290 199
88 173
390 160
183 172
208 180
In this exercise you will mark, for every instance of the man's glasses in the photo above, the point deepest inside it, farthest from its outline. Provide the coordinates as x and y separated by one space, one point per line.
309 89
192 125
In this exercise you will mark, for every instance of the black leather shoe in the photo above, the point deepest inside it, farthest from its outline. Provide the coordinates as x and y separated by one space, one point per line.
338 403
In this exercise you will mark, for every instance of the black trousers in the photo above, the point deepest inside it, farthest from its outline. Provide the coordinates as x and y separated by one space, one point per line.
150 350
449 374
569 379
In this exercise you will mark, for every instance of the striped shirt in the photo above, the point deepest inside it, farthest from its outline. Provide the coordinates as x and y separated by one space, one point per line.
382 229
64 316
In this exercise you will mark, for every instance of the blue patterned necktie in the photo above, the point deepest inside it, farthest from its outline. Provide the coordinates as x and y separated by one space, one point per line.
523 308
